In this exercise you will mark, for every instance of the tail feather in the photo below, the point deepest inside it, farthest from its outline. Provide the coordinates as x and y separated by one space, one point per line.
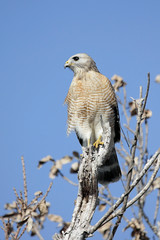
110 170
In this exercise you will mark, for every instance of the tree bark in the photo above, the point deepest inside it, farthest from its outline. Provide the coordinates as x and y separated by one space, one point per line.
87 198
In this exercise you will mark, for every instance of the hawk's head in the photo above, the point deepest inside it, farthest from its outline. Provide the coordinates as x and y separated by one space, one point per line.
81 62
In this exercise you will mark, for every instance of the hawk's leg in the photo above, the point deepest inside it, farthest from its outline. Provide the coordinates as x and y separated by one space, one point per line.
88 142
98 142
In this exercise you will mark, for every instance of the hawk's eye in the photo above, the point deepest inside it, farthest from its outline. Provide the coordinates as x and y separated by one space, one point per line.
76 58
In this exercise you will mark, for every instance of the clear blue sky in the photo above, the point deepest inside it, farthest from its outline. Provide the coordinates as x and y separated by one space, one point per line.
36 38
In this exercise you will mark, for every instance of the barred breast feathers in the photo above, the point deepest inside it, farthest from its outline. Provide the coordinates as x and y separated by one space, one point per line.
90 93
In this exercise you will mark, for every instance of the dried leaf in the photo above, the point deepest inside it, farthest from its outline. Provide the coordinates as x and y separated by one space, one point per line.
76 155
58 165
33 232
158 227
45 160
136 161
43 207
8 227
134 224
55 218
66 159
38 193
139 235
21 223
53 172
48 204
10 206
65 226
156 184
102 207
74 167
55 168
133 108
157 79
118 82
35 214
138 229
29 224
10 215
105 229
147 114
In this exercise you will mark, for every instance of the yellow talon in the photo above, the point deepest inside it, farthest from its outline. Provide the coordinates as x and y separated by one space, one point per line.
98 142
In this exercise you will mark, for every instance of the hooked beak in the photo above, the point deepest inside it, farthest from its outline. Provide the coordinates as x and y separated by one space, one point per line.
66 64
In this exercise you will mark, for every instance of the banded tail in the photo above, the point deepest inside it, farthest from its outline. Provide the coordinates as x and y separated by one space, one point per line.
110 170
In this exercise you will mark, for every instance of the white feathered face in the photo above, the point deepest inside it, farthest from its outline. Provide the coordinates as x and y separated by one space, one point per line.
80 62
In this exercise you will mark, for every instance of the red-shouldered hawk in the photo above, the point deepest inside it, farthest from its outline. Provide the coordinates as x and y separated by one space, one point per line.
90 97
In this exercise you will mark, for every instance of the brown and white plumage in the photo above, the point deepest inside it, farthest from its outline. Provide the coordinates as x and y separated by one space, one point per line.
91 96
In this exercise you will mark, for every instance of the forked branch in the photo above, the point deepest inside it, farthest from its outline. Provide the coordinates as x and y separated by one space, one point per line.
87 198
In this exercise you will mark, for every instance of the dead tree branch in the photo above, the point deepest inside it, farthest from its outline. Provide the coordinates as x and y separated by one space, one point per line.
109 215
88 190
141 108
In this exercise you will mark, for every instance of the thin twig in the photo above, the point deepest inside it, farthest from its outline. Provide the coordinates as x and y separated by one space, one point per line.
153 227
24 182
128 128
37 232
19 201
140 194
120 200
147 91
146 138
139 169
67 179
37 205
35 199
125 138
43 198
157 207
23 231
105 201
133 150
124 105
18 231
5 230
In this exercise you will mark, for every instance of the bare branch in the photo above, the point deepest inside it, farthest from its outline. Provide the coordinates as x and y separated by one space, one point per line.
140 194
43 198
88 191
157 207
153 227
67 179
140 113
120 200
24 181
23 231
35 228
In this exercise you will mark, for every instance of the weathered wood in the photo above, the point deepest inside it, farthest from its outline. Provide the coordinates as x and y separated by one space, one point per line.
87 198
